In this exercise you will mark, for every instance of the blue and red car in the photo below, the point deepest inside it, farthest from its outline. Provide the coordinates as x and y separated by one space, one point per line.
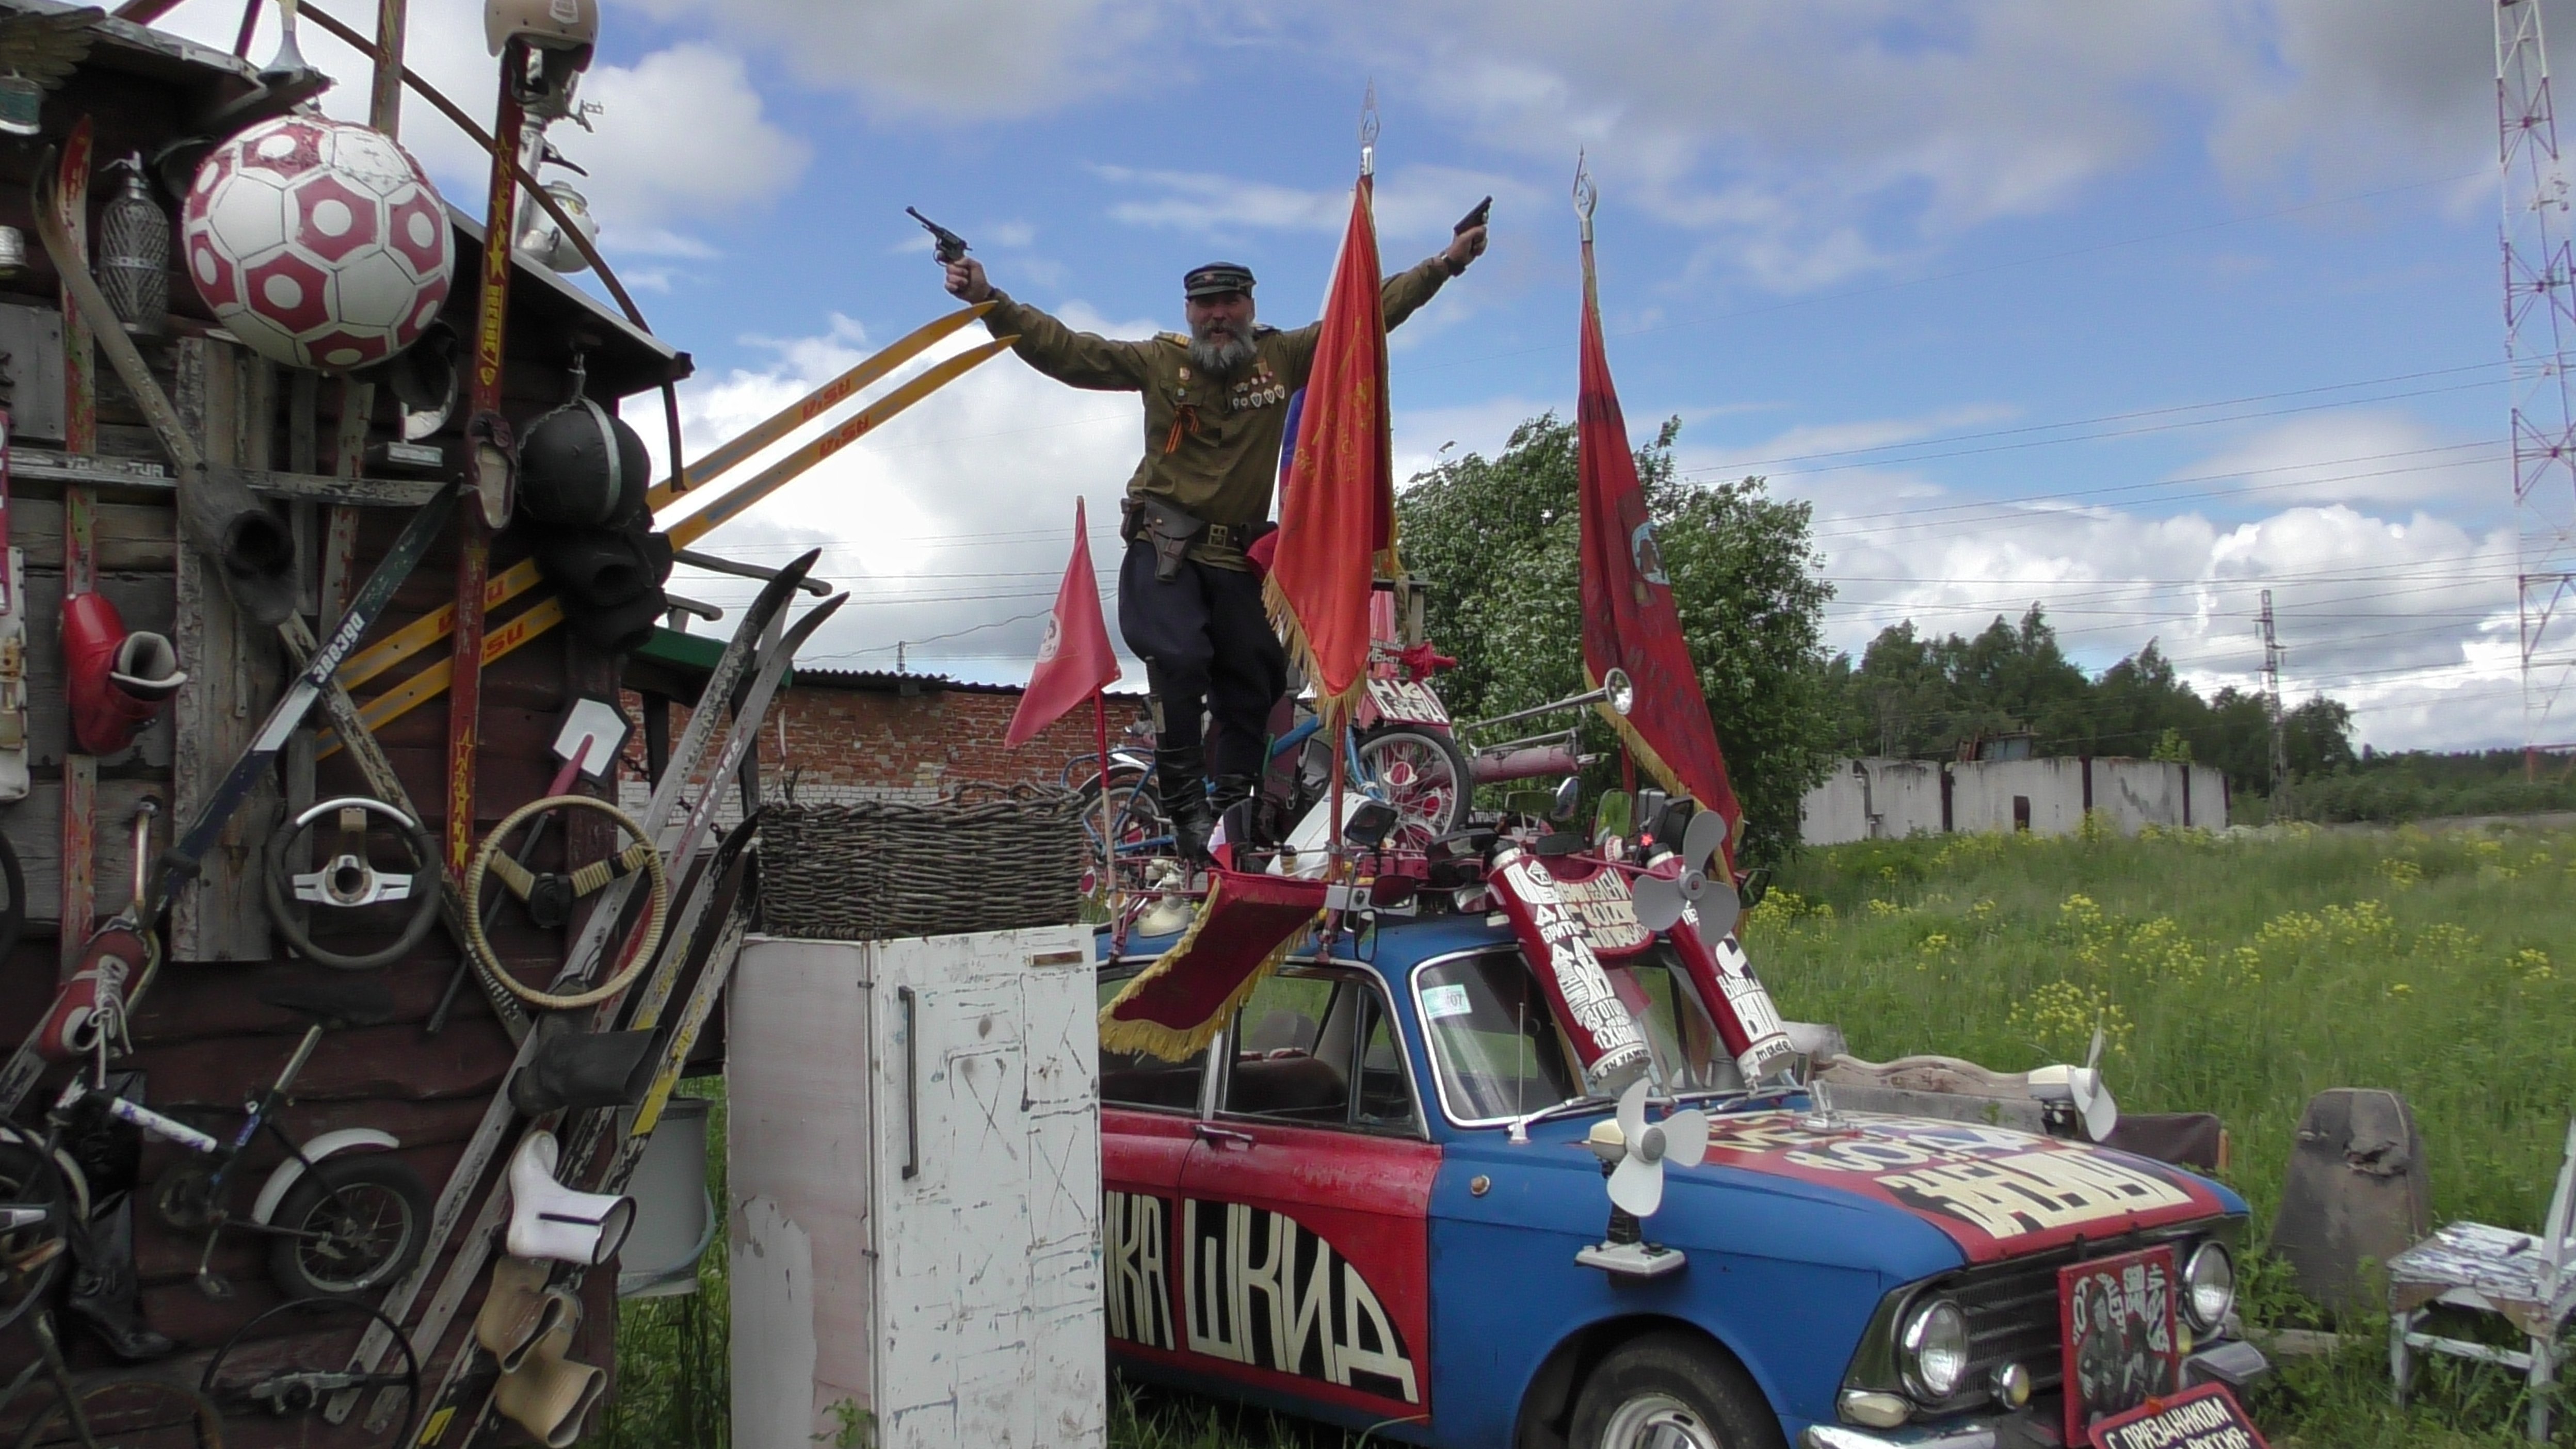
1364 1201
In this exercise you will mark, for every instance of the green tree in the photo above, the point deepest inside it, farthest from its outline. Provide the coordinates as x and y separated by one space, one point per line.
1495 539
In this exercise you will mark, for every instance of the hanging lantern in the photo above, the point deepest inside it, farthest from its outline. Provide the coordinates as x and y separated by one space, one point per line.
134 252
545 243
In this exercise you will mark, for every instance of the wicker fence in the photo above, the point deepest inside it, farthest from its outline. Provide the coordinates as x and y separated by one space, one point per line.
983 858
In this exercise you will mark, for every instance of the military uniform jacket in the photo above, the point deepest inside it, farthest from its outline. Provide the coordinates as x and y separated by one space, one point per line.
1211 447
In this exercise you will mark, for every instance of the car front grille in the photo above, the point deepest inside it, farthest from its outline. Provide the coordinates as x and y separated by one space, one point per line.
2012 1310
2012 1318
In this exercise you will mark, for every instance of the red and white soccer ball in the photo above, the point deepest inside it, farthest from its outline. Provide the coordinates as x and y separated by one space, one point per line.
318 243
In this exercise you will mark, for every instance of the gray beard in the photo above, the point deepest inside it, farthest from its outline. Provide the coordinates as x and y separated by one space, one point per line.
1221 355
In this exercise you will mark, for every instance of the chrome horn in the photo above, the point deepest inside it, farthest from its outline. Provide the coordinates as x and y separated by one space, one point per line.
1616 691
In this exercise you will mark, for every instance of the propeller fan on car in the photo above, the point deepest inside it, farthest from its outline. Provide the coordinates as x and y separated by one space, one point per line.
2082 1088
1662 899
1642 1148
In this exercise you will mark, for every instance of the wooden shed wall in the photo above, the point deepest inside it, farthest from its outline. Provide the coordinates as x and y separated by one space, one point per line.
203 1040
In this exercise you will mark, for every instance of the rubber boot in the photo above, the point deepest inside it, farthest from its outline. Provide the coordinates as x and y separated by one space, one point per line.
584 1070
117 681
1242 825
549 1394
105 1293
1180 779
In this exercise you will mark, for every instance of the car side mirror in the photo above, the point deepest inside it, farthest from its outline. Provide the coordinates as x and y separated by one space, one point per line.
1569 795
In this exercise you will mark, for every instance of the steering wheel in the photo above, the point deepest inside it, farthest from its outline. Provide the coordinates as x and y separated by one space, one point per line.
285 1389
348 882
550 897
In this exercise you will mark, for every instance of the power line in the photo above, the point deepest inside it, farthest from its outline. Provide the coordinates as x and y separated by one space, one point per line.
2110 418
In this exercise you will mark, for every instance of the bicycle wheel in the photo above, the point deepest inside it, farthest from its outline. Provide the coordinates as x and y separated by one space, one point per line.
353 1224
32 1254
130 1411
1143 831
1425 778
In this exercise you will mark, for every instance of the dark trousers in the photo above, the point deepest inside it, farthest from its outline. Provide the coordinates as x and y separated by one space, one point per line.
1206 643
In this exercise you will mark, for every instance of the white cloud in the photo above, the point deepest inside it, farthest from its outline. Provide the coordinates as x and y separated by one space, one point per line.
1413 202
2353 456
950 59
955 516
682 136
2393 614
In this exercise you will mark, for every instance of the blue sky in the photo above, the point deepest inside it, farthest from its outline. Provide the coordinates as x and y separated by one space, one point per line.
2129 311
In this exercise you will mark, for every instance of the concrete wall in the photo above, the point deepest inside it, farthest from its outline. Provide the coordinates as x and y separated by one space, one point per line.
1982 795
1869 799
1874 800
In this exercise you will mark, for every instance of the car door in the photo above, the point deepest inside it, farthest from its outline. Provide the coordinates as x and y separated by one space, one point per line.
1147 1109
1303 1235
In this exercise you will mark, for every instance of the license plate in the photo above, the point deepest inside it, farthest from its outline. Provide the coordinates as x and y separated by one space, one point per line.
2119 1335
1407 701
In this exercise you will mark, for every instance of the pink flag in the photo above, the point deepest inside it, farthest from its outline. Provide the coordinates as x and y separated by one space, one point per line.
1075 661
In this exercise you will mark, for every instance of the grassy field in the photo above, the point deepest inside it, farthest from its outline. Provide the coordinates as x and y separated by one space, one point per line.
2236 975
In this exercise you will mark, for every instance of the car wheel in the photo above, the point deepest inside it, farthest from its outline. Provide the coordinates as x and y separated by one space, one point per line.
1672 1391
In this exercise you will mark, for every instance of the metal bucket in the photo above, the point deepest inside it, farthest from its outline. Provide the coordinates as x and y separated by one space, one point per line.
675 1216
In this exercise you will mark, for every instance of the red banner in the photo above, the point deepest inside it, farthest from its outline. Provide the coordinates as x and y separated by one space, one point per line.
1337 509
1244 928
1629 621
1075 661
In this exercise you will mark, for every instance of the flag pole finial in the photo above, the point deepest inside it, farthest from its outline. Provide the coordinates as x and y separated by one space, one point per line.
1368 131
1586 195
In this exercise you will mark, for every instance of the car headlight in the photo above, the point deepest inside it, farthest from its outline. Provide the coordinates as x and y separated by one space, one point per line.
2208 1287
1933 1350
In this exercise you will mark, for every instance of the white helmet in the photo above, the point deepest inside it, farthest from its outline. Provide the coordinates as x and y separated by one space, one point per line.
547 24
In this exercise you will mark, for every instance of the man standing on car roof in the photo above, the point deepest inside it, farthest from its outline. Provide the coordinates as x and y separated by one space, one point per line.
1189 600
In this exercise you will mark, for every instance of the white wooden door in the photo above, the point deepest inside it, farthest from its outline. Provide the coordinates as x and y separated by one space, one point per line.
801 1158
986 1208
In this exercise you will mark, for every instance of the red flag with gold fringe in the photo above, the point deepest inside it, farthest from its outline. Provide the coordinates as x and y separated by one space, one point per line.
1629 620
1075 661
1242 930
1337 510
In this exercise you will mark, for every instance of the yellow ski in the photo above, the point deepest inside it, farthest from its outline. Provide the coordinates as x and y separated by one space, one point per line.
726 456
433 680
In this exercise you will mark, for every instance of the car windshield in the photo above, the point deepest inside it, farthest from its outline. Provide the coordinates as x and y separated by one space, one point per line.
1499 1054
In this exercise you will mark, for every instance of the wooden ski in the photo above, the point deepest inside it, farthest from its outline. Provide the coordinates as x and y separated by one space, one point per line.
79 820
489 467
743 657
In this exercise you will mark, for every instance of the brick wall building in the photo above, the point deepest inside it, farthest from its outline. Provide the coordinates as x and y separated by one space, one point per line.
836 736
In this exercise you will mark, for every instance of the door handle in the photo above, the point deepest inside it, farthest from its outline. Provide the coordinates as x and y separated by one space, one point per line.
911 1081
1222 1137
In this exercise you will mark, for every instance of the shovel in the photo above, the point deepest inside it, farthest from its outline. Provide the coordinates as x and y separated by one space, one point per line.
587 745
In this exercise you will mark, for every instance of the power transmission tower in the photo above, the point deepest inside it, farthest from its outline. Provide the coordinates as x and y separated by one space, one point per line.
2272 652
2539 325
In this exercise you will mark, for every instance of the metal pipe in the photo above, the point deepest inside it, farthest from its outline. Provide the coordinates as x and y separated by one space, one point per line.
715 565
1565 738
680 605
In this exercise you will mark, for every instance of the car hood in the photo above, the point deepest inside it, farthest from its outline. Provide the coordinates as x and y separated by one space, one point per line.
1996 1193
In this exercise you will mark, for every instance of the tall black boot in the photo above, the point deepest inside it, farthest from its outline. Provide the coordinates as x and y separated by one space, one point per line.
1242 826
104 1290
1180 779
